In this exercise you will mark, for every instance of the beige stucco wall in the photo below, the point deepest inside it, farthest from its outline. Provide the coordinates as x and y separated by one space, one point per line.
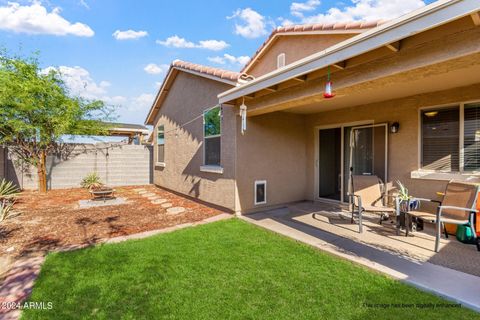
403 152
280 147
272 149
295 47
188 97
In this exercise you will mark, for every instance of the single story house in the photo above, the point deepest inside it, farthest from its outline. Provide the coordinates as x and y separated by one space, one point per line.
406 107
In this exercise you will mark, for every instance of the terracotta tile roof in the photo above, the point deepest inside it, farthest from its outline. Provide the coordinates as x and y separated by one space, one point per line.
211 71
316 27
339 26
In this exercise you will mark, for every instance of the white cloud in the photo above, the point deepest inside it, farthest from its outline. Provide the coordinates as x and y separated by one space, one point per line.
229 59
177 42
217 60
84 4
153 68
129 34
366 10
298 8
105 84
214 45
253 24
35 19
79 81
142 102
285 22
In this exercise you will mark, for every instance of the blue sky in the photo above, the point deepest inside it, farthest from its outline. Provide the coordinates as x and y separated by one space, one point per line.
119 50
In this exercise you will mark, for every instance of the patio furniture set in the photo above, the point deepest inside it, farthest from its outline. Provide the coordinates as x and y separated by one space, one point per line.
457 207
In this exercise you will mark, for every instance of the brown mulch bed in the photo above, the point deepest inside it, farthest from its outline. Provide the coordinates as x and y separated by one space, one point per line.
54 221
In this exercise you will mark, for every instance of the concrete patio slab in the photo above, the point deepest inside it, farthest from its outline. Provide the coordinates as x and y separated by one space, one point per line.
101 203
454 285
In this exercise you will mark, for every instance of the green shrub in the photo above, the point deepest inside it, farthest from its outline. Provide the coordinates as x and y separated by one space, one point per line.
8 197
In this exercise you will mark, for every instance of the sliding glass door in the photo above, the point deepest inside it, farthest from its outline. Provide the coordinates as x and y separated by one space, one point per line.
346 150
366 152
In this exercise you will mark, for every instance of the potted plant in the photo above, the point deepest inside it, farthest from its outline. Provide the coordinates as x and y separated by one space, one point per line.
97 189
92 182
407 203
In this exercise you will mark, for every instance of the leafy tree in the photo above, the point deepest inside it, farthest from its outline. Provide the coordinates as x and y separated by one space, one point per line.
37 109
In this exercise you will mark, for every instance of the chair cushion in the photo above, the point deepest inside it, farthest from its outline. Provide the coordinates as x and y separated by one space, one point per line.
433 218
423 215
378 209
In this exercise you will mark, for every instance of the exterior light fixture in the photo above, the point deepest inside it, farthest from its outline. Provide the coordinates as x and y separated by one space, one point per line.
431 114
394 127
328 94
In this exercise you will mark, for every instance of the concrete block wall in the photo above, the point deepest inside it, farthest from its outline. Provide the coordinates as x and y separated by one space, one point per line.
116 164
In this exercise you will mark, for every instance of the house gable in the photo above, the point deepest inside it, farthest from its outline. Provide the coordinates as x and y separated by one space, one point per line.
299 41
294 47
199 72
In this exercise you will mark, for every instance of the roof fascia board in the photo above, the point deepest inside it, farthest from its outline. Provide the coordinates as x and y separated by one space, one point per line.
418 21
129 130
167 79
159 93
208 76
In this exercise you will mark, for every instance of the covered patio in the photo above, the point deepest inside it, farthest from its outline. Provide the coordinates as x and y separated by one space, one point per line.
453 272
408 92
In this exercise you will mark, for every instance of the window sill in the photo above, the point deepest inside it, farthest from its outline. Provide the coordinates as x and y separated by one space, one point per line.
445 176
160 164
212 169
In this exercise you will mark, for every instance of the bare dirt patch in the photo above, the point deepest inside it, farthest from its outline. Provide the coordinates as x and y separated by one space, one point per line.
54 221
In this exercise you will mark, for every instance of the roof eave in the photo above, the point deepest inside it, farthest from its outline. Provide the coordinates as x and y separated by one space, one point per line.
438 13
151 114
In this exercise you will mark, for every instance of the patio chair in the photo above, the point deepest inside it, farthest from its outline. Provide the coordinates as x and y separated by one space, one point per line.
457 207
368 195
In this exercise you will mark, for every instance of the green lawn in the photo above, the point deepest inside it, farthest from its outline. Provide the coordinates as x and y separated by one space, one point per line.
223 270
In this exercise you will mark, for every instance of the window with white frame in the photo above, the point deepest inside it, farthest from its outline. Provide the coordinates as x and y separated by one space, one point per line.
260 192
451 138
161 144
281 60
212 135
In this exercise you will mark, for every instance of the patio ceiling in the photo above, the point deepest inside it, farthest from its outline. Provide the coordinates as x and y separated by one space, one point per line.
452 74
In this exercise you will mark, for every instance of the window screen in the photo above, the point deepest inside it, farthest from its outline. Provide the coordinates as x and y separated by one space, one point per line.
161 144
212 134
440 139
471 142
